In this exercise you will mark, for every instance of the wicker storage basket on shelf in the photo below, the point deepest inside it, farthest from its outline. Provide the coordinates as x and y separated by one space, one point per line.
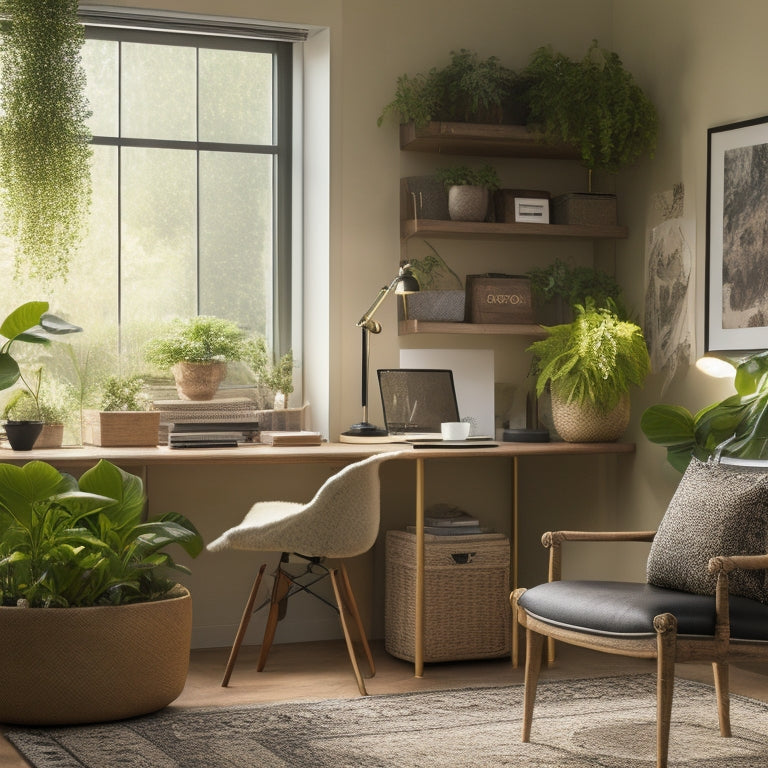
466 596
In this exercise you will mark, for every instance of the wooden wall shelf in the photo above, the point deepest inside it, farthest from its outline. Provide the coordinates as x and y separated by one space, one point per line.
408 327
439 228
481 139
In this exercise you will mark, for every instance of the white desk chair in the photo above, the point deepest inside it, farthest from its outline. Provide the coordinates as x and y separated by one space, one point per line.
342 520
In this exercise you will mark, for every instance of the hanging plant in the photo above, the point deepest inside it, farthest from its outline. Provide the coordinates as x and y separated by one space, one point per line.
45 183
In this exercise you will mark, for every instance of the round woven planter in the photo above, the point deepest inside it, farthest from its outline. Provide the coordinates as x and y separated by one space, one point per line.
198 381
62 666
468 203
584 424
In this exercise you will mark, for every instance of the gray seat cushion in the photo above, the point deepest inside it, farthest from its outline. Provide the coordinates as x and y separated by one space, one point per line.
617 608
716 510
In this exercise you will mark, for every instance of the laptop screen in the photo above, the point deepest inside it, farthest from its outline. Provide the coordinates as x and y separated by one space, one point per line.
416 400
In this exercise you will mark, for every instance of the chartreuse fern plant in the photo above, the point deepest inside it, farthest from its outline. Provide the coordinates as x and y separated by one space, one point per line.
593 360
45 176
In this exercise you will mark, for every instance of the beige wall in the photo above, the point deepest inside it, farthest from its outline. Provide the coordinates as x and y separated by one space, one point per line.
702 62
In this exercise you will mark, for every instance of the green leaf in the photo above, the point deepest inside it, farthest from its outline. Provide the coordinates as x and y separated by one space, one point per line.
9 371
21 487
667 424
23 318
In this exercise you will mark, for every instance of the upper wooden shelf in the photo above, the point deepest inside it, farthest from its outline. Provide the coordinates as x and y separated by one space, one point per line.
481 139
439 228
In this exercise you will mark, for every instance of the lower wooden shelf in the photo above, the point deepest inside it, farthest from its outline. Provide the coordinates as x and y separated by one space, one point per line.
407 327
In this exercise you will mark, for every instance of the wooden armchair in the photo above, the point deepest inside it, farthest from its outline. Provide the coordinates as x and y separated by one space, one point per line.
644 620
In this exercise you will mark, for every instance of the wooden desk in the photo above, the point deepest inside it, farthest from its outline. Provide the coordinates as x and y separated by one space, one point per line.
142 458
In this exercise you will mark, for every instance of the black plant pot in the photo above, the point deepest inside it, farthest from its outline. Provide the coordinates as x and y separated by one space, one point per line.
22 434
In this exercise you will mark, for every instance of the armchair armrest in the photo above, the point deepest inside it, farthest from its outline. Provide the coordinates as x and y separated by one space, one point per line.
721 566
553 540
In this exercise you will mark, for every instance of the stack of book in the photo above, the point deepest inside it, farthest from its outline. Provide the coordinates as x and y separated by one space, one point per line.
450 521
227 434
302 437
204 412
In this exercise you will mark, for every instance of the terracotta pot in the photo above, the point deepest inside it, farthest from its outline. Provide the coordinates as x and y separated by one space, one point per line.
52 436
63 666
198 381
585 424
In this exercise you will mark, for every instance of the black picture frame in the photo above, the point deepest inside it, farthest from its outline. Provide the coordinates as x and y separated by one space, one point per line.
736 286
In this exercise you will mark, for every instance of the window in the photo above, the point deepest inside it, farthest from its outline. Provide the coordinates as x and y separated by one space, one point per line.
191 207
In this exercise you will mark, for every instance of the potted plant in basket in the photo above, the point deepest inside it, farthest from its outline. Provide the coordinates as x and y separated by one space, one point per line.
441 295
736 426
469 190
91 626
590 365
595 105
32 323
124 417
196 351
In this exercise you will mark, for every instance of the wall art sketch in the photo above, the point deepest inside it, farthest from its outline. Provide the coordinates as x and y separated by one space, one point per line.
737 237
669 321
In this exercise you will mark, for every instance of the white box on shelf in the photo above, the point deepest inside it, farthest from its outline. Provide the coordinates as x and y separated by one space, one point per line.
532 209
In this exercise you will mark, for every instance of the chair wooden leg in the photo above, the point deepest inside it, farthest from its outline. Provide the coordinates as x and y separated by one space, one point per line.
346 603
244 621
720 668
666 639
279 591
534 648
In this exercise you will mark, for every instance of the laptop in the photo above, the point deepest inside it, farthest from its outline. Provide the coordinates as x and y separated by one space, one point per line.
416 401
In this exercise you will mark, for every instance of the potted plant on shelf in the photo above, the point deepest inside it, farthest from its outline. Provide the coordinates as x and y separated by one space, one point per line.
91 626
469 89
734 426
45 182
596 105
469 190
590 365
32 323
559 286
196 351
441 296
124 417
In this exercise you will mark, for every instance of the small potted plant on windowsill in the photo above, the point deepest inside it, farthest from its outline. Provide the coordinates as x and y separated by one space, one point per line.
469 190
590 366
196 351
123 417
51 411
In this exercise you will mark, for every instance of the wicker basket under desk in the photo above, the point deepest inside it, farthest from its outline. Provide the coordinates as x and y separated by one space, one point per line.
466 596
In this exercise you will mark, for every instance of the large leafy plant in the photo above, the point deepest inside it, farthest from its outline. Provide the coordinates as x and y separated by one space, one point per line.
31 323
45 182
594 104
736 426
593 360
67 543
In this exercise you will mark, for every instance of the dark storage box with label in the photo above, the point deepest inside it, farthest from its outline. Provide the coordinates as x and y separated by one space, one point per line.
499 299
584 208
466 596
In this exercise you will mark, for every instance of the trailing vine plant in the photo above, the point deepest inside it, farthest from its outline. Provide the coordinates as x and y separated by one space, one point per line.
45 182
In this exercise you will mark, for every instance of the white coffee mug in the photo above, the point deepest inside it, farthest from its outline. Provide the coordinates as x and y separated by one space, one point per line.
455 430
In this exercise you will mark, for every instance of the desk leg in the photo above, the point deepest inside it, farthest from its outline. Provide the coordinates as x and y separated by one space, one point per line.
515 564
419 628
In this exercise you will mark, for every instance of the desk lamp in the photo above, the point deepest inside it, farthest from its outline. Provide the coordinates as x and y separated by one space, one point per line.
403 283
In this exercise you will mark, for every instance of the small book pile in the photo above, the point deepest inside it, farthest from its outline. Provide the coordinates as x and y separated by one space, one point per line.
303 437
446 520
227 434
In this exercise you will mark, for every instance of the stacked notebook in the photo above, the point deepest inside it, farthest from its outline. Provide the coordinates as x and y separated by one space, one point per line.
445 520
212 434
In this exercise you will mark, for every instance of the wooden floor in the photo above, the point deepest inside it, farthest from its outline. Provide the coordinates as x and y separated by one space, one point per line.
310 671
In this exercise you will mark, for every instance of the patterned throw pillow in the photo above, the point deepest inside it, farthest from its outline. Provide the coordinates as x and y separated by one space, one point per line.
716 510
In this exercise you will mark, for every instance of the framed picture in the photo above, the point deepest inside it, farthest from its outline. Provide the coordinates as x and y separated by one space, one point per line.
736 301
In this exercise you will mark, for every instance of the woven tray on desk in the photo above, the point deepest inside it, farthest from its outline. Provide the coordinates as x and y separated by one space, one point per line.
466 596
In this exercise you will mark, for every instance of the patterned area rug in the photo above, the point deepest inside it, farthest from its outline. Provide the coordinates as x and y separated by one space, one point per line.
608 722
